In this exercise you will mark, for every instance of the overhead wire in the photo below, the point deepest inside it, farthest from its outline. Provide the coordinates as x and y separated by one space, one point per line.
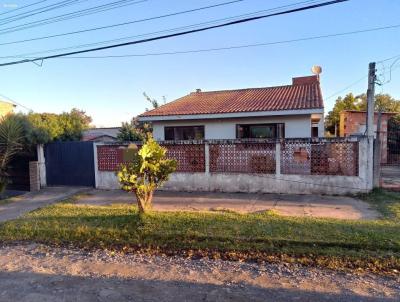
21 16
233 47
239 21
121 24
72 15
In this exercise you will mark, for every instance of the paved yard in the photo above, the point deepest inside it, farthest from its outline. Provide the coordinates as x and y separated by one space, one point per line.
22 204
390 177
291 205
37 273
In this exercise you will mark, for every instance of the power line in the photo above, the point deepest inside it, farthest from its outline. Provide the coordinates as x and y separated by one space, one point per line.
39 10
122 24
177 34
22 7
14 102
72 15
228 47
162 31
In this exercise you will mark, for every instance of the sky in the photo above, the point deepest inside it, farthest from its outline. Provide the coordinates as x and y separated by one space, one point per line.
111 89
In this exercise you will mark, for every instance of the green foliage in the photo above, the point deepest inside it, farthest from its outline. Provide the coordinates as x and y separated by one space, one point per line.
383 102
41 128
147 170
133 131
11 137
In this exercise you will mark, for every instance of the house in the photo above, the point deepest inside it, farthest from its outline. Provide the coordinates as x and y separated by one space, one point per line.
6 108
107 135
353 123
290 111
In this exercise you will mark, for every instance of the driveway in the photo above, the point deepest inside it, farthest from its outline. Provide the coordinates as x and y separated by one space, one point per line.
19 205
341 207
390 177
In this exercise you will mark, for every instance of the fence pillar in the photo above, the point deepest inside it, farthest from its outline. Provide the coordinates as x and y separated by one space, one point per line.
278 158
207 157
42 166
95 165
34 176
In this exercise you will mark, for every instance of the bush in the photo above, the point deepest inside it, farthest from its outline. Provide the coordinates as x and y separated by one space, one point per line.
147 170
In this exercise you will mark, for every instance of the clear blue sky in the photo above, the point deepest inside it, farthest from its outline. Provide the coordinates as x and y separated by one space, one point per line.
110 90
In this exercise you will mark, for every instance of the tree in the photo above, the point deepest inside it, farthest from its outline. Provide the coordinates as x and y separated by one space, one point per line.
42 128
146 170
134 131
73 124
11 137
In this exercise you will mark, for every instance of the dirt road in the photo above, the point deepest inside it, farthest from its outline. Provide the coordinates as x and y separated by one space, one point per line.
39 273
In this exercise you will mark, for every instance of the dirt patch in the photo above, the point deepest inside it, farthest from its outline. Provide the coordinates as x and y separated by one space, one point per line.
39 273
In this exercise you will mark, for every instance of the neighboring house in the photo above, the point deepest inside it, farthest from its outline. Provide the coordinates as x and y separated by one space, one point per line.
290 111
107 135
353 122
6 108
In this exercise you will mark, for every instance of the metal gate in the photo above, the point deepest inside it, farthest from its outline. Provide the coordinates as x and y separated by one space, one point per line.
393 142
70 164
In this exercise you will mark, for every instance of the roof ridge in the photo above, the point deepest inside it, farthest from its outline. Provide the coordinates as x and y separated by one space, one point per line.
251 88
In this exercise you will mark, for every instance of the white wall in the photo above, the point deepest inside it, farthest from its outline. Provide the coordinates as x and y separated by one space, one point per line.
295 126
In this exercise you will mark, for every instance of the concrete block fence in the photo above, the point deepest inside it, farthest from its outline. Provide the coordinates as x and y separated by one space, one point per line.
297 166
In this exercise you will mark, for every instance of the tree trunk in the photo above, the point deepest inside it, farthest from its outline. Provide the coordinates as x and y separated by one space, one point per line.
144 201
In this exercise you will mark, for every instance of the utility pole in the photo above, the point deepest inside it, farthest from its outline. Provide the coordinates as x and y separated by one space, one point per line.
370 99
373 179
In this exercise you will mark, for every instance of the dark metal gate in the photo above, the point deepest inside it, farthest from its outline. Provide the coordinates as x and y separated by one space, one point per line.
393 142
70 164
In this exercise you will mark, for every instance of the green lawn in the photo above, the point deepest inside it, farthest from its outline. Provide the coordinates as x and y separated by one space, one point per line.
372 245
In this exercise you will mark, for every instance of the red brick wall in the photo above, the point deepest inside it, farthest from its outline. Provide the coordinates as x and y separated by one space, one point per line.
353 122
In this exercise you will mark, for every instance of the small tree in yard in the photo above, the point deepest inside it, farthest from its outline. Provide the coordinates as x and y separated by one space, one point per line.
146 170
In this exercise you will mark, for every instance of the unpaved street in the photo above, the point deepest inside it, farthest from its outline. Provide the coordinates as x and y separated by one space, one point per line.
39 273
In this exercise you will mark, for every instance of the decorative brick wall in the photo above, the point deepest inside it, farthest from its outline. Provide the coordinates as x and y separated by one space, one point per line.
296 156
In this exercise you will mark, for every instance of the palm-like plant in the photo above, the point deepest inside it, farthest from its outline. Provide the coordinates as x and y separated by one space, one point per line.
11 137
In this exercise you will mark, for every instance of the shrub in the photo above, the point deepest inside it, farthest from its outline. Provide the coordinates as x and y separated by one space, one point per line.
146 170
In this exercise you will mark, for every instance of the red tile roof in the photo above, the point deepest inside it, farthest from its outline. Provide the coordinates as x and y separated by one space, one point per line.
304 94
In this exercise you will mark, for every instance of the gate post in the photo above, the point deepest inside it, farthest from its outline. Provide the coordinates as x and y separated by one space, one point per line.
95 165
42 165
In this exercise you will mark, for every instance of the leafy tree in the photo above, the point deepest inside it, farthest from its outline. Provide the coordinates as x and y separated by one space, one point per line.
134 131
11 137
41 128
73 124
146 170
383 102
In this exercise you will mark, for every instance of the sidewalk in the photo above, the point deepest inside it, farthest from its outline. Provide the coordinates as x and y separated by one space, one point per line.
340 207
33 200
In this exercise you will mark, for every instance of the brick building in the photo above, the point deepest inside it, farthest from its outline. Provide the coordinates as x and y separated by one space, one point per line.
353 122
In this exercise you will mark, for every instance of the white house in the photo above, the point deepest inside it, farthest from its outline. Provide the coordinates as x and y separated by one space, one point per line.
291 111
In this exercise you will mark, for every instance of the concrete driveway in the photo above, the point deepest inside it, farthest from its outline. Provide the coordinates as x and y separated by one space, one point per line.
19 205
340 207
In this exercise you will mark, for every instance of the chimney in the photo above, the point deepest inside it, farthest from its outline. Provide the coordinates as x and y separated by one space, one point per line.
305 80
198 90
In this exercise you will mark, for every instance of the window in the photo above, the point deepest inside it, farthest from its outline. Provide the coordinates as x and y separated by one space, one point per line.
261 131
184 133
